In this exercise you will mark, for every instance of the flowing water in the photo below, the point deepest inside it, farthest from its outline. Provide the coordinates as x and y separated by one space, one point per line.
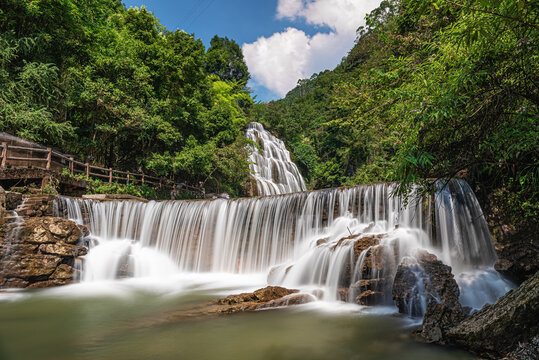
271 166
148 262
303 240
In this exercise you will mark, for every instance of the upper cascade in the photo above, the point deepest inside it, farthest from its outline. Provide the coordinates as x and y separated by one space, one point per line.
273 170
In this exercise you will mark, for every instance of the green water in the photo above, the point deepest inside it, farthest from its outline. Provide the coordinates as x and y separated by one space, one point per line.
139 326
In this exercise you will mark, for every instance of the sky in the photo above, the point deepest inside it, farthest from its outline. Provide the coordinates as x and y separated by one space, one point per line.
283 41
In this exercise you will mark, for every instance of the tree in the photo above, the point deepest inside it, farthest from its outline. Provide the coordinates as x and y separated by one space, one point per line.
225 59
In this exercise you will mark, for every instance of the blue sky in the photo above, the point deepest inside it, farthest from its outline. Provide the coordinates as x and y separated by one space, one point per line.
282 40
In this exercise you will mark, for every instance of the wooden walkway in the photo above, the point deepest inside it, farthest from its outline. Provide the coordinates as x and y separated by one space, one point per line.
17 156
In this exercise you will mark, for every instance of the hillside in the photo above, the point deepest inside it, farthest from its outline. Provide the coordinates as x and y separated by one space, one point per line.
431 89
114 87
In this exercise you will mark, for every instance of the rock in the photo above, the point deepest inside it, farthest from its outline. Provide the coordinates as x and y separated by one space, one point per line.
364 242
63 272
84 230
375 263
409 288
369 297
233 304
289 300
425 284
2 197
48 283
27 267
259 299
50 230
321 241
497 329
2 205
342 294
438 320
41 255
64 250
12 283
259 296
13 200
518 252
526 351
370 292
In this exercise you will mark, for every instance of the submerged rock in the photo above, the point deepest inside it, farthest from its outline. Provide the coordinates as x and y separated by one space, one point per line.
425 284
253 301
498 329
268 297
289 300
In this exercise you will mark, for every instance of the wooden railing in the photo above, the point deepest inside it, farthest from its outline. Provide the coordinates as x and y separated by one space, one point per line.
49 159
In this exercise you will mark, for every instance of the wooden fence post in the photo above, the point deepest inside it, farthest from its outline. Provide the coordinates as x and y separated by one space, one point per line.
110 175
87 171
49 158
128 177
4 155
160 182
71 164
143 178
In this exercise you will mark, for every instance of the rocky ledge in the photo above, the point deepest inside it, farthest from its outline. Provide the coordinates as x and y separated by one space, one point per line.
39 252
509 328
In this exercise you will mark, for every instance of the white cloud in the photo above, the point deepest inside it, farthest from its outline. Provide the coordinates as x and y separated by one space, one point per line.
279 61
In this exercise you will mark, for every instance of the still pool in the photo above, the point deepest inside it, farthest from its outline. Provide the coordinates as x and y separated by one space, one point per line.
134 323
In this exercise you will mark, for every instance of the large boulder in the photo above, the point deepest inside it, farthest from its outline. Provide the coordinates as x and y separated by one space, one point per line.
425 284
498 329
40 252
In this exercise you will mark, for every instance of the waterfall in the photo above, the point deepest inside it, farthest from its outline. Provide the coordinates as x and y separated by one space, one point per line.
272 168
306 239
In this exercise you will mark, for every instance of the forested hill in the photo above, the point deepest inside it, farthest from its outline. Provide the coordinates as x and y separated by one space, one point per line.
432 89
113 86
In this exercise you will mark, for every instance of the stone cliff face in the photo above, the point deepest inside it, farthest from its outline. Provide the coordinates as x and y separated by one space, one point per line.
38 251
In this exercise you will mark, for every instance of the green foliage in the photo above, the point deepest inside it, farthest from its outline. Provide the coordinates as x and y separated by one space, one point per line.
96 186
100 81
431 89
225 59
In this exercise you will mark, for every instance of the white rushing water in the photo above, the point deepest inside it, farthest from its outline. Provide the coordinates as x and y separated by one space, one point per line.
303 240
272 168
